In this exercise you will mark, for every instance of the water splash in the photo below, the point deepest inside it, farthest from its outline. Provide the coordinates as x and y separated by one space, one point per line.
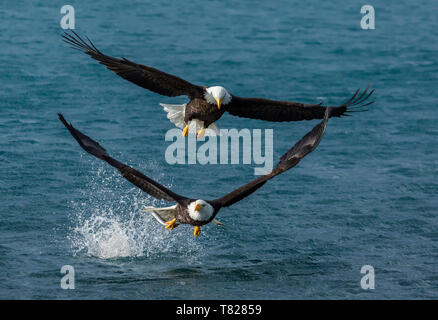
109 223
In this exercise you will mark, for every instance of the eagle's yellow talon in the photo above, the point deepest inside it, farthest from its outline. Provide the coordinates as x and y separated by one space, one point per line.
170 224
197 231
185 131
201 133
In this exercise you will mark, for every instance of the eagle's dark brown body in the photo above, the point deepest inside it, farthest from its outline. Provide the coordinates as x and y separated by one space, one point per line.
199 108
182 214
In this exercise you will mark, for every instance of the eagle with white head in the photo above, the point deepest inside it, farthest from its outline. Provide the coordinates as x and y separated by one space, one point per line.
208 104
198 212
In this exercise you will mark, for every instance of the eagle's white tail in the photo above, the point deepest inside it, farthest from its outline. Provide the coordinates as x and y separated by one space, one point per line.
175 113
162 214
212 130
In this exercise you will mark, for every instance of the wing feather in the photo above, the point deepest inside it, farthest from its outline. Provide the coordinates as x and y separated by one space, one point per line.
280 111
137 178
289 160
143 76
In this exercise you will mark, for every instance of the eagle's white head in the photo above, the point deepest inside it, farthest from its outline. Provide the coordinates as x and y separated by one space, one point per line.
217 95
200 210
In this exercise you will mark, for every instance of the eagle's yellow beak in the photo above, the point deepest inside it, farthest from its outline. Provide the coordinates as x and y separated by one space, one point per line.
218 102
198 207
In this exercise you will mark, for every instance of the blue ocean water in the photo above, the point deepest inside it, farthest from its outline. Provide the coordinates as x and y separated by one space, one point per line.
366 196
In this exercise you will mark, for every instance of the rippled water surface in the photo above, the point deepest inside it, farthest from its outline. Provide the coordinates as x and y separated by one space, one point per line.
366 196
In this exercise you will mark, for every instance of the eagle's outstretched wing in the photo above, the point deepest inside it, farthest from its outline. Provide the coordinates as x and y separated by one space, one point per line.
143 182
279 111
143 76
289 160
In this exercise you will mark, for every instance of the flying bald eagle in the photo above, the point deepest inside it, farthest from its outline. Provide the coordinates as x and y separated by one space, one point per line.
208 104
198 212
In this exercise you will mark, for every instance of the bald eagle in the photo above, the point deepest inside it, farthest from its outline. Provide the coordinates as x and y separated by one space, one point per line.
208 104
198 212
